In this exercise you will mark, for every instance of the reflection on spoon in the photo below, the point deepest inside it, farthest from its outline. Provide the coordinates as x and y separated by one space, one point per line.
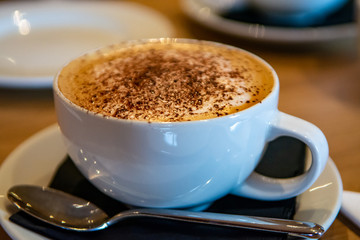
73 213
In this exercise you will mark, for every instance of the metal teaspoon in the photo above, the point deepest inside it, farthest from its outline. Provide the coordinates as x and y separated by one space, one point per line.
70 212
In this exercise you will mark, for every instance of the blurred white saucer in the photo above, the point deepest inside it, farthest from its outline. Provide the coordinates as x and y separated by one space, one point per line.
211 16
38 37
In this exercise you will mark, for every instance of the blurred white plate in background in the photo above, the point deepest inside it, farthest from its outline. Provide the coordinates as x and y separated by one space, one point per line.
38 38
210 16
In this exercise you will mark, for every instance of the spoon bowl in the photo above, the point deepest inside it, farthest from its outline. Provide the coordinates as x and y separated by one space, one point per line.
70 212
57 207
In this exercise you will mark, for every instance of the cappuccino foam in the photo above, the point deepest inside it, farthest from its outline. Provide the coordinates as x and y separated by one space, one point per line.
166 82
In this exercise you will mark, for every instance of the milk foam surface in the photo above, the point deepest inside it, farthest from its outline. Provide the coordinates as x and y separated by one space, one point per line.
166 81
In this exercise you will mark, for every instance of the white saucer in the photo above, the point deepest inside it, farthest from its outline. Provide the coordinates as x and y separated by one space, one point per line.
38 37
204 14
35 161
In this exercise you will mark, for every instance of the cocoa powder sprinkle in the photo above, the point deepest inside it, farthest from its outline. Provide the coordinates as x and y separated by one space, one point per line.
167 83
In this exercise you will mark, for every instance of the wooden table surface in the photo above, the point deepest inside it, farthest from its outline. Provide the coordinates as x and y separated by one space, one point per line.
320 84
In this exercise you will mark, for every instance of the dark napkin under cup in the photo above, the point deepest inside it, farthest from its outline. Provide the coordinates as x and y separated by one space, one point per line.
286 153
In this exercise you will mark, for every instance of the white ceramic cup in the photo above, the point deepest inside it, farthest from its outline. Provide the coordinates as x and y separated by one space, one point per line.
186 164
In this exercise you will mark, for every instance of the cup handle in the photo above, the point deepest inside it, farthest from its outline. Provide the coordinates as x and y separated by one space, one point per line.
261 187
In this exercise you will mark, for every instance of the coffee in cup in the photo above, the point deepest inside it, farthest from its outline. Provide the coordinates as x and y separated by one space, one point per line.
167 82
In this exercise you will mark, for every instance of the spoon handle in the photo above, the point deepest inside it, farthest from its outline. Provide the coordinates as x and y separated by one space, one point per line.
292 227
